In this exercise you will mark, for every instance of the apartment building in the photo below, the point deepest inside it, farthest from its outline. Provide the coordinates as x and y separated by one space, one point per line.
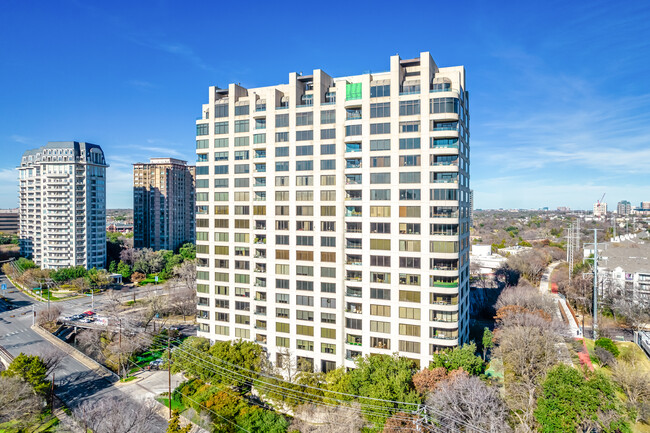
600 210
624 208
63 205
163 203
333 214
9 221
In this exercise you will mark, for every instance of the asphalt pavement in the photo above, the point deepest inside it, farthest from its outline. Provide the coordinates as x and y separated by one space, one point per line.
74 382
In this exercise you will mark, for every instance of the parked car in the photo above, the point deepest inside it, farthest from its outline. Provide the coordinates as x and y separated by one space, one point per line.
155 364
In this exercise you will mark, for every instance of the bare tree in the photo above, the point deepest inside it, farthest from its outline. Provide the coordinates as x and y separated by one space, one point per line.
89 341
635 384
183 300
527 296
48 315
286 365
114 303
635 313
186 274
309 418
401 422
18 401
52 358
468 400
121 349
117 415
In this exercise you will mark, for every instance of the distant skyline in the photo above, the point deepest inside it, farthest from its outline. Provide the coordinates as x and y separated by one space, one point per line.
559 91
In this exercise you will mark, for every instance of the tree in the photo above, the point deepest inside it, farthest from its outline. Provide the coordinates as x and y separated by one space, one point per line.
385 377
487 341
48 315
136 277
118 415
459 357
186 274
401 422
636 313
29 368
608 345
507 276
311 418
80 284
569 402
467 400
426 381
188 251
124 270
174 425
635 384
605 357
183 301
245 354
52 358
119 352
526 296
90 342
98 278
18 401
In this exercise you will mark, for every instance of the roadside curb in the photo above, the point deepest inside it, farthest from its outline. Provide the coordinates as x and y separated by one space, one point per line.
76 354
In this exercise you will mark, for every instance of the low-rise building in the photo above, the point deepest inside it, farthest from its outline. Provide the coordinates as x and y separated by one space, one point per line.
624 271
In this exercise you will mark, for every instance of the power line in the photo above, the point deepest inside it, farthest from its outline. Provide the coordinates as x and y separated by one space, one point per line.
267 384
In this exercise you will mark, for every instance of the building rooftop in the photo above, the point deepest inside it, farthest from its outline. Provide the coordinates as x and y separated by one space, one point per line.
631 256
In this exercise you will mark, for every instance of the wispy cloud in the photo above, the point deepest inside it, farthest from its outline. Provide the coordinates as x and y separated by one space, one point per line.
20 139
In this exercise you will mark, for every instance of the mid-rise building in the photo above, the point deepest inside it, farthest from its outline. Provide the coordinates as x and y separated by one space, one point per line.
600 209
63 205
9 222
333 214
163 203
624 208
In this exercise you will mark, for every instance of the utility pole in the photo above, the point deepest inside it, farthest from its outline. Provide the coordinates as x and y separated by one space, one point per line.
169 371
33 316
595 288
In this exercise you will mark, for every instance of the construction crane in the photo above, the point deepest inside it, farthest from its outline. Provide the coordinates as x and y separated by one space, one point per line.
601 199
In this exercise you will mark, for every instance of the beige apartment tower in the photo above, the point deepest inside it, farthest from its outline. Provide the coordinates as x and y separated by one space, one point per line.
63 205
163 204
333 214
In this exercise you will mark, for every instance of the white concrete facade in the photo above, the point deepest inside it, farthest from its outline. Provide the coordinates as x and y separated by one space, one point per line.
63 205
335 217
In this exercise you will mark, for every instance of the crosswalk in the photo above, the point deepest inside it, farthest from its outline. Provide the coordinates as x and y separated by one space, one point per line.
17 331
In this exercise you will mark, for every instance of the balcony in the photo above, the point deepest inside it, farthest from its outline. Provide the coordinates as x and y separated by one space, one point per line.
260 240
259 225
260 268
260 254
354 340
350 355
260 282
353 276
353 179
353 259
260 311
353 211
353 195
354 292
353 308
354 244
260 183
353 163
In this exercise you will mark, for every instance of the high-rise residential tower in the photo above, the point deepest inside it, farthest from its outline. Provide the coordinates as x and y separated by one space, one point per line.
333 214
63 205
163 204
624 208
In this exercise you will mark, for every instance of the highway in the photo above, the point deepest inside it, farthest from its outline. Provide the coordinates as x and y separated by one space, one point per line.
74 382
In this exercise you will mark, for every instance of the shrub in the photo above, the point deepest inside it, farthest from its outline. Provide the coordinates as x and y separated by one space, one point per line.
608 345
136 277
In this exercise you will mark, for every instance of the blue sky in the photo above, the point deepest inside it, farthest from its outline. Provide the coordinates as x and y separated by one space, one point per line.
559 91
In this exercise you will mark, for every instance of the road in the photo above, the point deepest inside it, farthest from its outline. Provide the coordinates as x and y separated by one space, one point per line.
74 381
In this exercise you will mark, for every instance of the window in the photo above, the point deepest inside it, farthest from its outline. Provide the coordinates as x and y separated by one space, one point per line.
409 143
242 168
304 119
281 151
409 177
327 241
379 90
282 166
327 149
380 310
202 129
304 300
444 194
380 194
305 344
220 127
282 327
330 98
328 333
305 315
242 141
281 137
408 108
328 302
305 285
282 341
409 161
352 91
379 227
328 164
381 109
241 155
379 128
328 318
327 257
202 144
304 150
352 130
282 313
304 211
382 261
281 120
241 125
328 116
409 296
304 135
409 330
409 245
379 178
353 323
328 226
409 346
413 126
409 313
379 211
220 142
259 138
443 246
380 161
305 195
328 210
242 110
220 110
379 145
328 195
380 244
260 123
444 105
282 298
409 194
305 240
380 294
